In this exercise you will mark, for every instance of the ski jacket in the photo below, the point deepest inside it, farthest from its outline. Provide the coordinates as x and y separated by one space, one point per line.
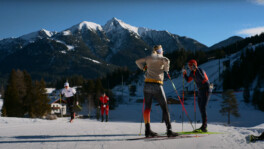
68 92
104 100
156 65
199 77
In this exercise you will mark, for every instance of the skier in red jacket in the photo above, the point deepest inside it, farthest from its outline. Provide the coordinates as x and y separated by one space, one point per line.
204 90
104 102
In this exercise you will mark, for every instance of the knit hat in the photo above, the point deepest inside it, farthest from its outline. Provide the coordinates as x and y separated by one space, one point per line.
66 84
157 49
192 62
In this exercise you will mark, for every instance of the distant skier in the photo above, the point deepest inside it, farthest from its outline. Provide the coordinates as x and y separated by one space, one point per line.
155 65
204 90
104 101
69 93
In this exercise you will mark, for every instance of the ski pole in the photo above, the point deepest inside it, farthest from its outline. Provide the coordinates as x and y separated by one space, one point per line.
142 117
180 101
61 107
194 103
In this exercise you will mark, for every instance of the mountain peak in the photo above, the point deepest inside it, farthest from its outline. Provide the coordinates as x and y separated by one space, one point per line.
86 25
41 34
115 19
116 24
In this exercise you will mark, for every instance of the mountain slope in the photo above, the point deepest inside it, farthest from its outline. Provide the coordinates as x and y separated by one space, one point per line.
114 44
51 58
226 42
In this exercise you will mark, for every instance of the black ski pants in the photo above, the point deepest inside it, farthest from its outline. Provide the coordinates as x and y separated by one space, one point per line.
70 105
203 98
155 91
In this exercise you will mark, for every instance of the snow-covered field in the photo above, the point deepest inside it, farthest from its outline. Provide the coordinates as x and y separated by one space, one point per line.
24 133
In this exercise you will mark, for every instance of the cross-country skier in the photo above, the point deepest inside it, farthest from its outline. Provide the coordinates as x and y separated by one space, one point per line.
204 90
104 101
69 93
155 65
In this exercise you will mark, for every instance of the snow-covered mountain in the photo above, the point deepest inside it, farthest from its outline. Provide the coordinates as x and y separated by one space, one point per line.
115 43
38 34
113 35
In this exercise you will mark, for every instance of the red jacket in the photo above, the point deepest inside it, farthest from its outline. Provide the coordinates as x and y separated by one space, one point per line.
200 78
104 100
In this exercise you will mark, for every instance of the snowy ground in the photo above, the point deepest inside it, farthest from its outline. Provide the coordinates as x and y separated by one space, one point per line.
26 133
85 133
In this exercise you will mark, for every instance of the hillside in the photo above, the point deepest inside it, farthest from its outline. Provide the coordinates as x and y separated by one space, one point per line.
224 43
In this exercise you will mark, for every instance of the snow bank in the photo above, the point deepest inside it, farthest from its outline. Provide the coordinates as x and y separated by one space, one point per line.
50 90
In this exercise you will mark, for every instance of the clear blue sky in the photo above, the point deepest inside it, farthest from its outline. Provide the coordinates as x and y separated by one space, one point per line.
207 21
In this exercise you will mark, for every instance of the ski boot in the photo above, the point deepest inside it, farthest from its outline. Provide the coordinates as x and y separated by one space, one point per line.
149 132
106 119
253 138
102 118
170 133
200 130
72 117
71 120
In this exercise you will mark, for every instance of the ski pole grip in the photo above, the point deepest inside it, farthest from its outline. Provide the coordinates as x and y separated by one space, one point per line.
168 75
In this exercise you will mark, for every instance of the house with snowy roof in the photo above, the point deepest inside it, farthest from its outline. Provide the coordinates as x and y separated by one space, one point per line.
58 106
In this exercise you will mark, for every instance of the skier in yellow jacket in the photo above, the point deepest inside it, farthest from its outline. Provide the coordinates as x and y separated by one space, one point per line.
155 65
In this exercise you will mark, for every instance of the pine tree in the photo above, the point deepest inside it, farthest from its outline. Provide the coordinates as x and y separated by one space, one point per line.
229 105
13 105
99 90
40 99
27 101
22 97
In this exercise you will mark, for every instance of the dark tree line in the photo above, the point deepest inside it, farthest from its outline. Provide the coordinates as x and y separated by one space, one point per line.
180 57
248 69
92 90
235 47
24 97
